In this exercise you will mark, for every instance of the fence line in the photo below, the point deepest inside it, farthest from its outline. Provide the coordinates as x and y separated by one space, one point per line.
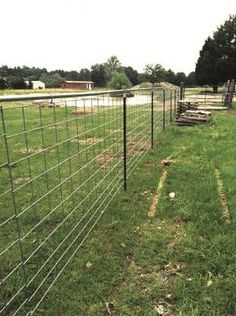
63 159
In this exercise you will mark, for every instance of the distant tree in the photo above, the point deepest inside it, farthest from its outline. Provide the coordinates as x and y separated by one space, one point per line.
206 64
98 75
191 80
119 80
52 80
170 76
217 60
112 65
15 82
143 78
3 83
132 74
72 75
180 77
85 74
154 73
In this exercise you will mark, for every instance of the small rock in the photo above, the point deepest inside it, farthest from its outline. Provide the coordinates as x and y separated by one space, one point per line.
159 309
88 265
171 195
209 283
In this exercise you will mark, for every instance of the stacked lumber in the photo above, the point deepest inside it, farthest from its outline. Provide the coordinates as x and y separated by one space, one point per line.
193 117
183 106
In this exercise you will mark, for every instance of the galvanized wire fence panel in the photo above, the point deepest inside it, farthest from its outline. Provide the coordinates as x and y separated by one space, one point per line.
61 164
204 96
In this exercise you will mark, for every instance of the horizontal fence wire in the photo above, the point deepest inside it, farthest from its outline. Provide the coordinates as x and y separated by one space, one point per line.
62 162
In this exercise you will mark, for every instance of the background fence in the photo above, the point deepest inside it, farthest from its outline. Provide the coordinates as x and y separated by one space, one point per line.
63 158
204 96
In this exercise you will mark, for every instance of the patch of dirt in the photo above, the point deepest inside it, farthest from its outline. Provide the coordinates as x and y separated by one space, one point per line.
87 141
37 150
113 131
136 148
106 158
80 113
156 195
167 162
19 180
224 204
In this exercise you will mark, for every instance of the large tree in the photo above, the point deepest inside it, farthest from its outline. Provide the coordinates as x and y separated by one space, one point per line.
112 65
155 73
217 60
132 74
98 75
119 80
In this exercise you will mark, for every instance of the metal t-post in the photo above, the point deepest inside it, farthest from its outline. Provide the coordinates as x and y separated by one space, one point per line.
124 141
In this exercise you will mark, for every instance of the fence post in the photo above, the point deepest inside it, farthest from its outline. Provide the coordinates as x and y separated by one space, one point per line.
164 110
171 106
231 92
152 120
181 91
175 101
124 141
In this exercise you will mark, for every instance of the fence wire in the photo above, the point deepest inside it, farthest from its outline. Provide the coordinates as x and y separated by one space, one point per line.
62 162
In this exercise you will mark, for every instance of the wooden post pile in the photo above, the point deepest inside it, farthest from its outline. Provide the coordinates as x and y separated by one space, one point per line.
193 117
229 93
183 106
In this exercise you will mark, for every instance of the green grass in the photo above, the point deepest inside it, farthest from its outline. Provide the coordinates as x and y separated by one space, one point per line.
182 260
41 91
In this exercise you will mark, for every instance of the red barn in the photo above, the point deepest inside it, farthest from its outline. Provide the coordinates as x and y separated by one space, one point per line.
79 85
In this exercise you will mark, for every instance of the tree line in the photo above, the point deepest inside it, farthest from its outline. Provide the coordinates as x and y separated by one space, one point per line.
215 65
110 74
217 61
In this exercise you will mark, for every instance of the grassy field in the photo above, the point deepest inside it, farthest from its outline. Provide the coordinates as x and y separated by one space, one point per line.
58 173
179 262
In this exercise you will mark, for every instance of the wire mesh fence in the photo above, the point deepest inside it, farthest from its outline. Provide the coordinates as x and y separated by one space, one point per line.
204 96
62 161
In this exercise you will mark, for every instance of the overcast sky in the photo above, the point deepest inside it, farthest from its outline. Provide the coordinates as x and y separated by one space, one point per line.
74 34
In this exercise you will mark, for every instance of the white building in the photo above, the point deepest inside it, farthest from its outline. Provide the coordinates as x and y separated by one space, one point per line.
36 84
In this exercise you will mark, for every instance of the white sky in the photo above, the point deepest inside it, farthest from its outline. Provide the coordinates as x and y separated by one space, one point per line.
74 34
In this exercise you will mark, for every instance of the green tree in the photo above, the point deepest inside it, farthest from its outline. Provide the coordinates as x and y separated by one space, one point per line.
191 79
3 83
98 75
180 77
154 73
85 74
72 75
132 74
205 67
170 76
52 80
217 60
119 80
112 65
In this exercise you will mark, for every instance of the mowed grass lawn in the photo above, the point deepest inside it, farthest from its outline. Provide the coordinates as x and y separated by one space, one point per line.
180 262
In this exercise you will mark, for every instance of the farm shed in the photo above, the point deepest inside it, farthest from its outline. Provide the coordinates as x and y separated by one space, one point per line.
83 85
35 84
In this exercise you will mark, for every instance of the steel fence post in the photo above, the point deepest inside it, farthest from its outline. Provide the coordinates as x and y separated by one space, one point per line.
164 110
152 120
175 103
124 141
181 91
